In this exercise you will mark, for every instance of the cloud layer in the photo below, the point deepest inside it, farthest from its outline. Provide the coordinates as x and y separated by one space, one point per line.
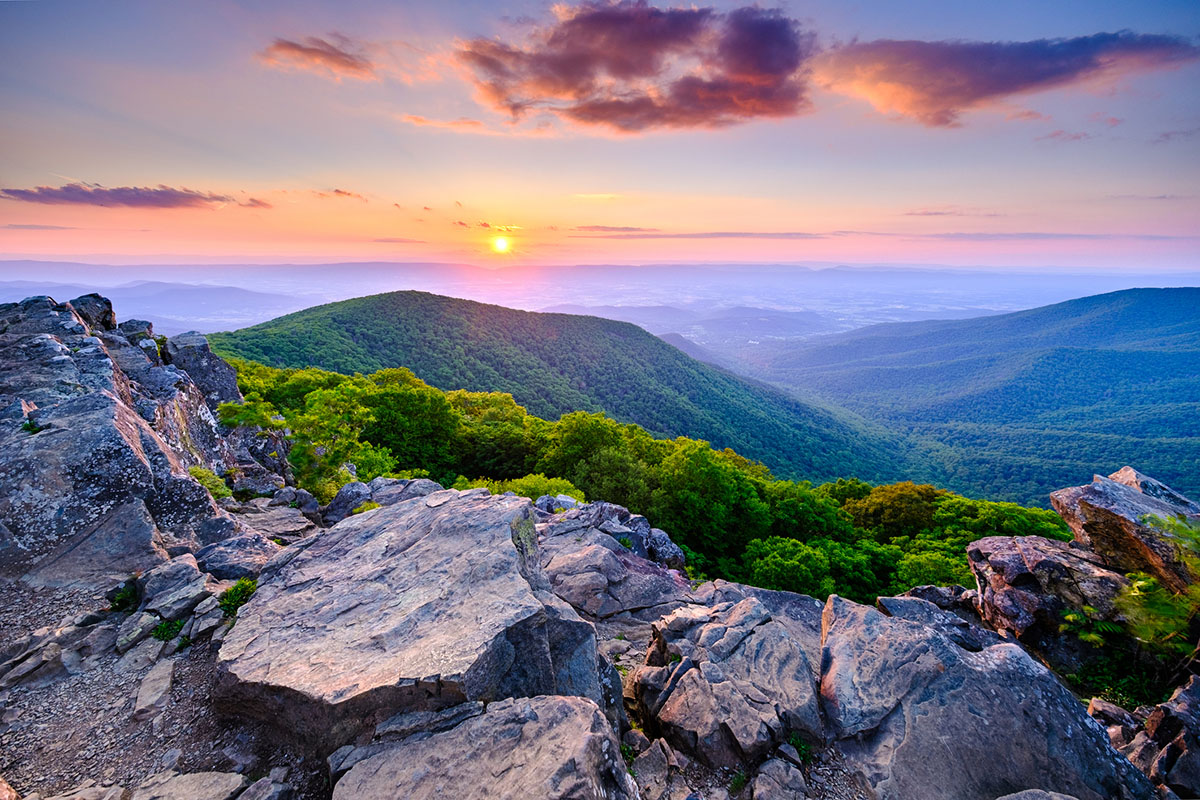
129 196
934 82
631 67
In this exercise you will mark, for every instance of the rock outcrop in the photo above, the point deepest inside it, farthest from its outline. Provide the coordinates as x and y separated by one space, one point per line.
97 439
1109 517
920 716
558 748
412 607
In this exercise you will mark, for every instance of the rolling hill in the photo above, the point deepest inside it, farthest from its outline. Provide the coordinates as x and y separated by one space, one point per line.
1016 404
557 363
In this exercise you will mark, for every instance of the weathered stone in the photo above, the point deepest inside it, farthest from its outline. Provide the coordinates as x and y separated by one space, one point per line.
275 521
348 498
240 557
726 684
779 780
1108 516
217 380
652 770
955 628
1026 582
553 503
664 551
896 692
90 793
1107 713
135 628
1036 794
413 607
389 491
97 487
266 789
191 786
598 577
154 691
1166 746
95 311
173 590
543 747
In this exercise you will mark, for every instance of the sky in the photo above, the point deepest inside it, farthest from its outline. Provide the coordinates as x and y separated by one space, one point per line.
847 131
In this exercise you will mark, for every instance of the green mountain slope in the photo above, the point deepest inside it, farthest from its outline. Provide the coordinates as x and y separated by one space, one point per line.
1018 404
557 363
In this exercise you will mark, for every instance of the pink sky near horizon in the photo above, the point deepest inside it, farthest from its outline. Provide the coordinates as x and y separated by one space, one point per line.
275 139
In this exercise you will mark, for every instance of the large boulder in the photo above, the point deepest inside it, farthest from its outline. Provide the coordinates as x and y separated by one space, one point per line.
601 578
1108 516
1027 582
412 607
217 380
726 683
919 716
94 479
556 748
242 556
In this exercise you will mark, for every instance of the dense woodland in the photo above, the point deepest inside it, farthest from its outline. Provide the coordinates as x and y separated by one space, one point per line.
733 517
1015 405
554 364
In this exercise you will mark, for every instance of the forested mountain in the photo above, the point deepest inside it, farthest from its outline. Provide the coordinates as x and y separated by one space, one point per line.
1016 404
557 363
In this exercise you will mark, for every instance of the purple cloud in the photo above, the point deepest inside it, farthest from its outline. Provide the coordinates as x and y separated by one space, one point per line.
629 66
934 82
160 196
706 235
613 229
338 57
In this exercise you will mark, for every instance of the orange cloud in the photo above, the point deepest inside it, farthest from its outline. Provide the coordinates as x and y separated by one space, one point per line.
337 57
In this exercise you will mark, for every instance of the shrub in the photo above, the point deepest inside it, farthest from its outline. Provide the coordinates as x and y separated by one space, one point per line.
209 480
167 630
126 597
737 782
367 506
625 542
236 596
803 748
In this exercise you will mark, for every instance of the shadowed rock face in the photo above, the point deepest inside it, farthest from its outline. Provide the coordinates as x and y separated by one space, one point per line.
95 442
1107 517
920 716
557 748
410 607
1026 582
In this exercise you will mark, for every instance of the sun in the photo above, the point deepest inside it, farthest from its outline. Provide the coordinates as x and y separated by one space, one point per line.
500 244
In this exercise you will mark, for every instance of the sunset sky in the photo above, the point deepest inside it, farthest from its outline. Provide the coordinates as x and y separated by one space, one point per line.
1015 133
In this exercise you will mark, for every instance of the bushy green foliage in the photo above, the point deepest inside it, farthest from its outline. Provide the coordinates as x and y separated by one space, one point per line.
531 486
167 630
209 480
126 597
733 518
370 505
1162 618
236 596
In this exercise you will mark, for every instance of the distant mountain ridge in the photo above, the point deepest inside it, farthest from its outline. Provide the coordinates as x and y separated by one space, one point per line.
557 363
1025 400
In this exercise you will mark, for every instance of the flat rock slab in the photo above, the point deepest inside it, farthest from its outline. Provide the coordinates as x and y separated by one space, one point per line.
411 607
551 748
918 716
192 786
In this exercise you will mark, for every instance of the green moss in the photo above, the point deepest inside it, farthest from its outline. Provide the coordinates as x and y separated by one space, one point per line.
367 506
209 480
737 782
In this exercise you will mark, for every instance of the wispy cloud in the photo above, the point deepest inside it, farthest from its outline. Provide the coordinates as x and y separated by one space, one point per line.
1064 136
705 235
91 194
934 82
397 240
337 57
340 193
16 226
950 211
613 229
629 66
1171 136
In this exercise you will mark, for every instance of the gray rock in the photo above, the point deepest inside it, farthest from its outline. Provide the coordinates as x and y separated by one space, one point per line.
894 692
958 630
413 607
1036 794
174 589
95 311
543 747
191 786
154 691
135 628
652 770
552 504
276 521
598 577
726 684
664 551
217 380
266 789
240 557
1107 517
101 489
779 780
348 498
91 792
